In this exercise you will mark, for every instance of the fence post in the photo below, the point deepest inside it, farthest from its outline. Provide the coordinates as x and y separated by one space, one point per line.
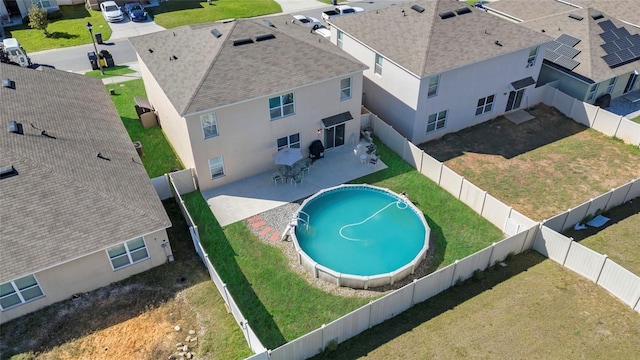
226 292
493 246
453 273
413 293
245 327
568 250
628 191
370 314
564 223
602 267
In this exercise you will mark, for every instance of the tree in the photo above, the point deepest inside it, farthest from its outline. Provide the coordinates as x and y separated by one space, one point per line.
38 19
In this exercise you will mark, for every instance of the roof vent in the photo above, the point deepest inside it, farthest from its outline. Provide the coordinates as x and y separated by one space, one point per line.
8 83
268 23
597 16
8 171
462 11
150 51
100 156
576 17
498 43
216 33
15 127
446 15
264 37
243 41
418 8
173 57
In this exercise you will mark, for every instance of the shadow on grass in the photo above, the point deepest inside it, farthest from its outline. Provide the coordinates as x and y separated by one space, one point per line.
361 345
617 214
169 6
502 137
114 304
437 245
62 35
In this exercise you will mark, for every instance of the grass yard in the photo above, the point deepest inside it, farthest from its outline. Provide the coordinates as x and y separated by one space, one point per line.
279 303
636 119
541 167
532 309
134 318
70 30
159 157
172 14
110 72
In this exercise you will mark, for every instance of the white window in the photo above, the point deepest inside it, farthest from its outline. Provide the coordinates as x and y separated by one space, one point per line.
281 106
592 92
485 105
345 89
378 67
340 39
533 53
209 125
612 84
128 253
292 141
433 86
216 167
41 3
436 121
20 291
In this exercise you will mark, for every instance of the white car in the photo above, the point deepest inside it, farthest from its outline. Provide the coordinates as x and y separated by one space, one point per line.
111 11
306 20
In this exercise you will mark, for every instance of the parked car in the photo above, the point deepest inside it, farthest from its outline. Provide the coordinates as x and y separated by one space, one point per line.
135 11
341 10
306 20
111 11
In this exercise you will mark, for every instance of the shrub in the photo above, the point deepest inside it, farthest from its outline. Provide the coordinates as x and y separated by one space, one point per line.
38 19
478 275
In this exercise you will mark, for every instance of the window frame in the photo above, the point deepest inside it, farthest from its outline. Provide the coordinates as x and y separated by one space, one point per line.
282 106
340 39
20 292
289 142
377 69
593 90
129 253
213 123
533 55
40 3
481 108
435 87
219 174
612 84
343 96
437 119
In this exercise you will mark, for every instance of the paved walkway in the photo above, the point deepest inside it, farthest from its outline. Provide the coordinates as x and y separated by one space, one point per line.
127 28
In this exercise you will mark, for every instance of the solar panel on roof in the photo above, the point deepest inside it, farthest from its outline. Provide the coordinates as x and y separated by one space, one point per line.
621 32
553 45
623 43
606 25
635 50
551 55
612 60
610 47
635 39
568 40
567 51
609 36
566 62
625 55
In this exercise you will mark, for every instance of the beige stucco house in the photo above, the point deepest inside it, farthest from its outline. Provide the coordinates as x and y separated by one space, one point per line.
229 95
78 209
439 66
12 11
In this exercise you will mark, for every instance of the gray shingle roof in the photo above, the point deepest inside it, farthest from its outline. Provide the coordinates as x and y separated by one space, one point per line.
65 202
210 72
626 10
425 44
588 31
529 9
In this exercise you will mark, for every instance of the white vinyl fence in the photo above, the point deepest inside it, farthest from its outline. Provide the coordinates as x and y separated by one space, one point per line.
184 180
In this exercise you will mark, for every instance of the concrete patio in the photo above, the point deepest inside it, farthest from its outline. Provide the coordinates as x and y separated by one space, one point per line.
257 194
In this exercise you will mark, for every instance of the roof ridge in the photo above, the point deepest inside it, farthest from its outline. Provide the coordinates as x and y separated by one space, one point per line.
425 61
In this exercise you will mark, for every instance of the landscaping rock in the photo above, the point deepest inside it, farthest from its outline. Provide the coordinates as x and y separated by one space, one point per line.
192 332
187 339
185 348
189 355
194 339
176 328
179 345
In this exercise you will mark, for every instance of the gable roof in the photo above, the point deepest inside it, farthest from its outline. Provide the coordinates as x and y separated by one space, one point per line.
624 10
210 71
65 202
588 31
425 44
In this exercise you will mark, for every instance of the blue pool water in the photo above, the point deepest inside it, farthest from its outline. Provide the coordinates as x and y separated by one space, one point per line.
361 231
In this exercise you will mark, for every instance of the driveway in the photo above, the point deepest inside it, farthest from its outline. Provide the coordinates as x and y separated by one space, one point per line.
128 28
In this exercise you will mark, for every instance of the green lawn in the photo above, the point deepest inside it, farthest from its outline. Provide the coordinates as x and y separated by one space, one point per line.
70 30
172 14
279 304
110 72
159 157
636 119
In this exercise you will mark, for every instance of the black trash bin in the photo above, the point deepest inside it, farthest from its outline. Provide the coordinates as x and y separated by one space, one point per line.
99 38
93 59
108 58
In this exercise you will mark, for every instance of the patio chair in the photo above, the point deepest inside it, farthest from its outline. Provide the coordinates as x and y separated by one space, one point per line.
297 180
374 160
276 176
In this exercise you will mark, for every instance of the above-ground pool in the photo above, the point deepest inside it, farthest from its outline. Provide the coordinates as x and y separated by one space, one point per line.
360 236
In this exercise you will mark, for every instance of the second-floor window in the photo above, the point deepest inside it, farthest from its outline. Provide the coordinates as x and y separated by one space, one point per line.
378 66
209 125
281 106
345 89
533 53
340 39
592 92
612 84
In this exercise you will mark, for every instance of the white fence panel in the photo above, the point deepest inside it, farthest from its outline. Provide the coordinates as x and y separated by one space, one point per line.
531 237
220 285
433 284
161 184
391 305
620 282
303 347
412 155
637 308
584 113
619 195
557 222
261 356
495 211
576 215
235 310
629 132
563 102
549 94
397 142
523 221
478 261
451 181
551 244
634 191
431 168
365 118
585 261
513 244
473 196
598 205
606 122
183 181
348 326
252 338
196 243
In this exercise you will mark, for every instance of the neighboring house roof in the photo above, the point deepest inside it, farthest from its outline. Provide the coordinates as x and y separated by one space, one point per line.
625 10
588 31
66 202
425 44
209 71
529 9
